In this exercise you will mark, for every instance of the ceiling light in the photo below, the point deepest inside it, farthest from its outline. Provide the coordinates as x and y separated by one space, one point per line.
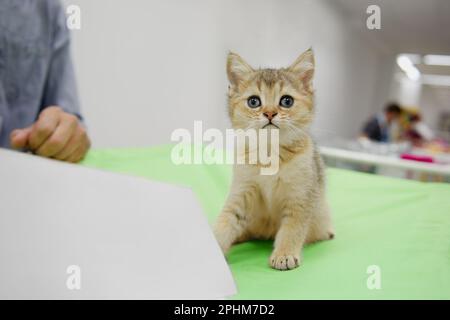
405 63
437 60
436 80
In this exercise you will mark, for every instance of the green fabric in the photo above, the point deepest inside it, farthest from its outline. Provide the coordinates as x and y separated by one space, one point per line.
401 226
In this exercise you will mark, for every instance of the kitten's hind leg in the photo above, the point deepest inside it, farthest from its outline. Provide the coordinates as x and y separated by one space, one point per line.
321 227
319 233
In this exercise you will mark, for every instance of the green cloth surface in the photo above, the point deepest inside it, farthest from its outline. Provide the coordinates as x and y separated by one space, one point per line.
401 226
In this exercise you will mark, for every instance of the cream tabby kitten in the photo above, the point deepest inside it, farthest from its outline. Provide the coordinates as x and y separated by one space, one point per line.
289 206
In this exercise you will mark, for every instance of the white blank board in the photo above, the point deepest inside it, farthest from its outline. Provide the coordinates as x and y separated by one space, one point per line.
131 238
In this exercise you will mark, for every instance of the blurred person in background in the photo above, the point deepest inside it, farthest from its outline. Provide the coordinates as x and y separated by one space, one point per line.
39 108
379 128
418 132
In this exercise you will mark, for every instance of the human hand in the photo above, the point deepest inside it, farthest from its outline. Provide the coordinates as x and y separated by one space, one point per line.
56 134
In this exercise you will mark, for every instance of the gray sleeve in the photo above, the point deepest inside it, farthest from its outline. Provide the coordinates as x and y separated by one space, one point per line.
61 88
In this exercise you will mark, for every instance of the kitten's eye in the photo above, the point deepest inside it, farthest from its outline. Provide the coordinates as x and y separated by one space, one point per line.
254 102
286 101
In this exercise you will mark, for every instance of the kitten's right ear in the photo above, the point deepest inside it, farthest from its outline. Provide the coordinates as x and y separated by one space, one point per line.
237 69
304 68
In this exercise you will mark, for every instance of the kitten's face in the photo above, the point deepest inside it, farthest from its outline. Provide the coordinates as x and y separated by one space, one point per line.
276 99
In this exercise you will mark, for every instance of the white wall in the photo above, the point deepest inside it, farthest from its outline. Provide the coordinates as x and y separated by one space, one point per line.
433 104
405 91
147 67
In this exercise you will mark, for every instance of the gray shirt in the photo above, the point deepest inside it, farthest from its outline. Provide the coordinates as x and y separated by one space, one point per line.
35 64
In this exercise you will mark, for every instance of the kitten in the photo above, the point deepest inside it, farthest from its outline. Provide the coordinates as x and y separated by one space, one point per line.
289 206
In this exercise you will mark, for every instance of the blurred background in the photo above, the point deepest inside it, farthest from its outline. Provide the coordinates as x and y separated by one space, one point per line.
147 67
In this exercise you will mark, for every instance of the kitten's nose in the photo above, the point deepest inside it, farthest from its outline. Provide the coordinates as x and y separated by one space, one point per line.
270 115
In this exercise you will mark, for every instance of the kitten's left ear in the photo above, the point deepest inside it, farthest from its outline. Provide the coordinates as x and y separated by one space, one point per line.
304 68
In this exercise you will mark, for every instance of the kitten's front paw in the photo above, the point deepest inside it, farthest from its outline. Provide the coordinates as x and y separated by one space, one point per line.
284 261
222 240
